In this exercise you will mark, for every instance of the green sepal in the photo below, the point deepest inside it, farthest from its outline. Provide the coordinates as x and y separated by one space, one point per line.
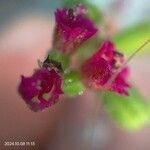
60 58
72 85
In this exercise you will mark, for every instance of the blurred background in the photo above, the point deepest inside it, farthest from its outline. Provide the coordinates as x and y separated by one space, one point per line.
26 28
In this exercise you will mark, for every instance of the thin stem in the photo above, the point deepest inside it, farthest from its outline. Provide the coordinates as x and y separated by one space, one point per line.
111 80
130 57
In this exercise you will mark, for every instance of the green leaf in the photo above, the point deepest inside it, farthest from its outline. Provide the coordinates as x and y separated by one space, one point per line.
132 38
59 57
72 84
130 112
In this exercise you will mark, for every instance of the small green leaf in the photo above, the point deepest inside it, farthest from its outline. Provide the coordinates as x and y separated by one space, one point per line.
59 57
132 38
72 84
130 112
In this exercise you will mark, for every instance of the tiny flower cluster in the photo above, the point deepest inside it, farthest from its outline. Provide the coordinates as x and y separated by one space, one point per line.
73 27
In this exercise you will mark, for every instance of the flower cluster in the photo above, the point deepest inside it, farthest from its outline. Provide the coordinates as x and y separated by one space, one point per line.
73 27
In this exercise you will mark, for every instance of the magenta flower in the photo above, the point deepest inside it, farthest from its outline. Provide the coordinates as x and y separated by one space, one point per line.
73 27
97 70
42 89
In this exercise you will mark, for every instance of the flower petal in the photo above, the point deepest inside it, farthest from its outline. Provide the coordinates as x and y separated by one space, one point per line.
42 89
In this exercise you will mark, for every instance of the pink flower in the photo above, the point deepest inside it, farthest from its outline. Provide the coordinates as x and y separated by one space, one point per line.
42 89
73 27
97 70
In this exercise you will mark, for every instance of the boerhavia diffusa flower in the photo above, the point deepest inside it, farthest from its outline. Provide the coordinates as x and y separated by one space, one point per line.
73 27
98 70
43 88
